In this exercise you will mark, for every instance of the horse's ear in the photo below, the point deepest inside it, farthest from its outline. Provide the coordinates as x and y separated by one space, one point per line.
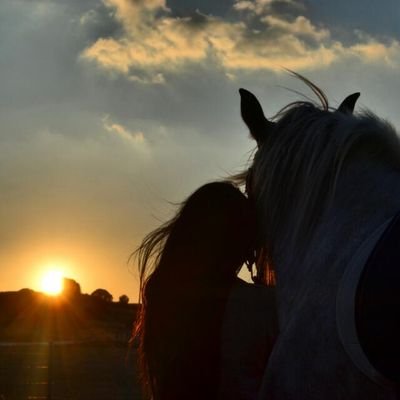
348 104
253 116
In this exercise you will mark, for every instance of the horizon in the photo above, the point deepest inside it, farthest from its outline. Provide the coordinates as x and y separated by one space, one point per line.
113 110
62 293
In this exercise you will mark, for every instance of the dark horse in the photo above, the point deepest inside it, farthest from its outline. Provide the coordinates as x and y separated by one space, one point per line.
326 183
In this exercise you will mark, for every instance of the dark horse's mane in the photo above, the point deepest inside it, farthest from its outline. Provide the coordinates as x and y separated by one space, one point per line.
302 159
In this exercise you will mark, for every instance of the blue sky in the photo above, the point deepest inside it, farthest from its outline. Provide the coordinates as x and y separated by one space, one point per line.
112 109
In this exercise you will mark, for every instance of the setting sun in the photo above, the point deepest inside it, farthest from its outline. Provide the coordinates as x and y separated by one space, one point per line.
52 282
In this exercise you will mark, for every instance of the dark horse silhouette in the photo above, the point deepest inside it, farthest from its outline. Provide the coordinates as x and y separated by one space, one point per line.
326 184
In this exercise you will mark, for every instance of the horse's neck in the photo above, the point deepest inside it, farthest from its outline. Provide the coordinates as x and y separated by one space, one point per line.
364 198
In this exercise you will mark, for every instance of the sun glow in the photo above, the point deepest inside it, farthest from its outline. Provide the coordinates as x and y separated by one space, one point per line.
52 282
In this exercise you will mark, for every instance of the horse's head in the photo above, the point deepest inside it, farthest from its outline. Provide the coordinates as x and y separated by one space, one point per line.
296 164
260 127
325 184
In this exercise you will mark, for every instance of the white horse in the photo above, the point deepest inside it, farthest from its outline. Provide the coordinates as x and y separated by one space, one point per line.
326 184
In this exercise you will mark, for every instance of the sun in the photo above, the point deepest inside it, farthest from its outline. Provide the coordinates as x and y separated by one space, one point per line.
51 282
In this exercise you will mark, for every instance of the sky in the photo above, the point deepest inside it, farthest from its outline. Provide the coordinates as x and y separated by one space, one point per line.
111 110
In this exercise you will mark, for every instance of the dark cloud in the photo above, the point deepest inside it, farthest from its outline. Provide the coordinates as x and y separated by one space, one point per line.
98 22
288 9
378 18
212 7
197 20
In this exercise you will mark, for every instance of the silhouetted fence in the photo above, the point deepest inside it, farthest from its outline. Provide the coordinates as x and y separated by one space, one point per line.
68 371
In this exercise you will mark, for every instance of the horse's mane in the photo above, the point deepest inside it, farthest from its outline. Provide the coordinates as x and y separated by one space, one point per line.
295 171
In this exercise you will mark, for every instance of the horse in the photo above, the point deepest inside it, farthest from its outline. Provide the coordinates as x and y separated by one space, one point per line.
326 185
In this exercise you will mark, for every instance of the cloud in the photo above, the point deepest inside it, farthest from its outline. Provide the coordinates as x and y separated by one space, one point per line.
373 51
299 27
161 44
267 35
122 131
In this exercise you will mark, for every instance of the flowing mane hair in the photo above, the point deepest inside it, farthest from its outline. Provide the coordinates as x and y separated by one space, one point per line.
297 166
187 267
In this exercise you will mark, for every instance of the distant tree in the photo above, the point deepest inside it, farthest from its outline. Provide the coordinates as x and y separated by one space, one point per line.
25 291
103 294
71 288
124 299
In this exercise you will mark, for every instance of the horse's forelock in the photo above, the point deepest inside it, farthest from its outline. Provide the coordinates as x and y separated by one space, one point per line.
295 171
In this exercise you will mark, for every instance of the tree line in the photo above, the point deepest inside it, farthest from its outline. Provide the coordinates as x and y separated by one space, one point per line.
72 288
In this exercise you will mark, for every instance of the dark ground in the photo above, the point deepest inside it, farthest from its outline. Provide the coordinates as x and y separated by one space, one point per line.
68 372
89 358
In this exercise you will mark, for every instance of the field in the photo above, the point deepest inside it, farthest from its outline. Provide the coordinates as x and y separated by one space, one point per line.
66 371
